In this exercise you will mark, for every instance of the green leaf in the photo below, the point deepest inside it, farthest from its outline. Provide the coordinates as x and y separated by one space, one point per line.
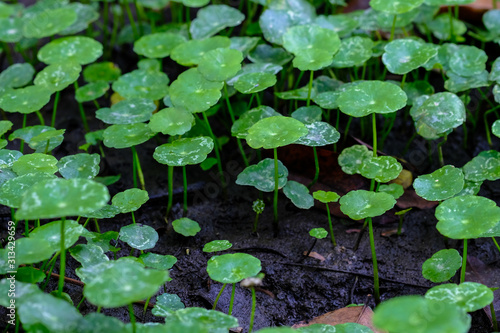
186 227
217 245
493 76
166 303
442 266
32 250
22 291
129 111
320 134
466 217
299 194
468 61
8 157
85 14
29 275
125 136
35 162
88 254
191 52
48 22
158 45
340 328
410 314
457 83
351 159
361 204
11 29
495 128
91 91
47 140
394 6
249 118
139 236
470 296
120 283
209 320
171 121
254 82
381 168
98 323
192 92
62 197
12 190
105 212
276 131
16 75
438 114
265 53
78 49
142 84
371 97
440 26
385 20
79 166
102 240
326 197
404 55
342 24
353 52
393 189
51 232
308 114
214 18
232 268
58 76
244 44
416 89
25 100
184 151
491 20
130 200
441 184
261 175
101 71
318 233
158 261
220 64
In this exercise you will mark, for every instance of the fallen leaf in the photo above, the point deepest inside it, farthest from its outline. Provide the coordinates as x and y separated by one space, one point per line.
315 255
411 199
392 232
355 314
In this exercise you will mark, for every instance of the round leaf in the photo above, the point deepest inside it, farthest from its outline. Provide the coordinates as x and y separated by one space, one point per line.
48 22
101 71
299 194
220 64
79 166
466 216
261 175
184 151
125 136
371 97
25 100
354 52
158 45
91 91
12 190
88 254
51 232
142 84
361 204
11 29
381 168
404 55
186 227
326 197
210 320
139 236
85 14
320 134
468 61
308 114
273 132
393 189
217 245
62 197
32 250
441 184
214 18
158 261
35 162
232 268
495 128
249 118
351 159
78 49
395 6
318 233
129 111
442 266
130 200
191 52
254 82
470 296
491 20
171 121
166 303
440 26
16 75
457 83
58 76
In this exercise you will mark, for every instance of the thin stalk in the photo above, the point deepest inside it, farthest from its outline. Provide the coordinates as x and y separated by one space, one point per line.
231 302
400 225
440 150
146 306
132 317
133 217
330 225
452 32
137 162
82 113
256 222
311 77
62 259
8 53
49 273
97 224
494 317
80 303
26 228
218 296
131 19
184 183
374 131
403 80
54 109
233 119
40 118
316 165
393 29
487 126
464 262
374 260
496 243
170 189
276 187
252 314
134 171
216 148
346 131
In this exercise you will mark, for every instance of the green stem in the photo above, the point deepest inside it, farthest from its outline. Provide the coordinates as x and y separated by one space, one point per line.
62 259
170 189
374 260
131 20
216 148
493 317
8 53
138 169
255 222
487 126
40 118
400 226
231 302
233 119
146 306
80 303
54 109
133 217
218 296
252 314
403 80
184 183
316 165
464 262
374 131
496 243
440 150
49 273
311 77
82 113
346 131
276 187
132 317
452 32
96 224
393 29
134 171
330 225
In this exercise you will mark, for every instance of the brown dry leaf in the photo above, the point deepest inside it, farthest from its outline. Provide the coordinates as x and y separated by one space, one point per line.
355 314
392 232
404 179
315 255
411 199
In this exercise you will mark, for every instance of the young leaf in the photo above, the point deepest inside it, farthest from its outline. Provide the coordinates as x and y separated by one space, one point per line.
186 227
158 261
254 82
320 134
142 84
470 296
91 91
130 200
318 233
249 118
171 121
273 132
191 52
216 246
78 49
232 268
166 303
404 55
214 18
299 194
307 114
79 166
158 45
381 168
261 175
184 151
352 159
468 61
35 162
25 100
129 111
88 254
353 52
361 204
101 71
125 136
220 64
16 75
139 236
442 266
441 184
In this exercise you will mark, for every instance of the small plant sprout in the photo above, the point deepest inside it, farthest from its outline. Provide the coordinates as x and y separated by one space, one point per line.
470 296
217 246
363 204
186 227
327 197
167 303
466 217
316 233
401 215
182 152
139 236
411 313
61 198
271 133
442 266
251 283
130 200
258 207
232 268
